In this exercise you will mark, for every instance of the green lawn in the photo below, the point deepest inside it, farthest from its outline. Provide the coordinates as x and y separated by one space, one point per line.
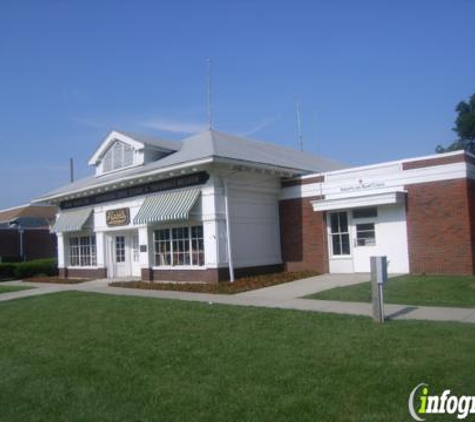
458 291
82 357
8 289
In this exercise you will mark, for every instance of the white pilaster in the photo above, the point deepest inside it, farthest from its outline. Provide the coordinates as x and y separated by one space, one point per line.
146 238
61 251
101 249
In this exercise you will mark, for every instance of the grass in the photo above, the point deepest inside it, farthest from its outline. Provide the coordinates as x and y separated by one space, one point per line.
240 285
75 356
8 289
457 291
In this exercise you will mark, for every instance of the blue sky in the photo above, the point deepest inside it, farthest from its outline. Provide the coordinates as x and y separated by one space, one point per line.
377 80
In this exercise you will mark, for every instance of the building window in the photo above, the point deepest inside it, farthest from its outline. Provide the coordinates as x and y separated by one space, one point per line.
197 246
82 251
365 235
163 249
369 212
117 156
179 246
340 236
120 249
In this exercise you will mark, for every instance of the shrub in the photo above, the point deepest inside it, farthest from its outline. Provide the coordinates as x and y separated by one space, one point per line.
45 267
7 270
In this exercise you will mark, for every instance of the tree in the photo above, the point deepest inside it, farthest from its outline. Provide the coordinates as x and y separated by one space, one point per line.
464 128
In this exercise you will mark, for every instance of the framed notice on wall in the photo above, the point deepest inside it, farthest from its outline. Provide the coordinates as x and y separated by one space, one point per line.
118 217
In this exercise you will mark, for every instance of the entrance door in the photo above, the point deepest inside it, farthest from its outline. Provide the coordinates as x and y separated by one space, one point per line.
135 255
364 244
121 263
125 255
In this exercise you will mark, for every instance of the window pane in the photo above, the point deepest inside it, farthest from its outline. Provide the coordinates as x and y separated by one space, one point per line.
197 245
365 212
120 249
343 222
334 223
336 244
363 227
162 247
345 244
365 234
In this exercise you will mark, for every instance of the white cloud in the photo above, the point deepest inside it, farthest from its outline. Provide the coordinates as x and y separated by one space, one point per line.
175 126
262 124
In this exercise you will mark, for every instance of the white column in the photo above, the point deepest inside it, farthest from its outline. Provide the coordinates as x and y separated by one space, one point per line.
61 250
101 250
146 238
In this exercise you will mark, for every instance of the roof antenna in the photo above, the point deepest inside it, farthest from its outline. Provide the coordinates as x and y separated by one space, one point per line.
71 170
299 122
209 104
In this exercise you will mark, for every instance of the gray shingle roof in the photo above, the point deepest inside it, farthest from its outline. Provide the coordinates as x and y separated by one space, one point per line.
214 145
153 141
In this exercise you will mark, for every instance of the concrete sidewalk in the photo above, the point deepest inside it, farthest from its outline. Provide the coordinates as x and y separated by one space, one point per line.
283 296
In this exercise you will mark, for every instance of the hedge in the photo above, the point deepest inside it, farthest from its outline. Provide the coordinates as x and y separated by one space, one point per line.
45 267
6 270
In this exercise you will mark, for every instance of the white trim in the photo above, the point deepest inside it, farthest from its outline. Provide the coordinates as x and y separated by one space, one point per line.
359 201
384 164
134 179
394 178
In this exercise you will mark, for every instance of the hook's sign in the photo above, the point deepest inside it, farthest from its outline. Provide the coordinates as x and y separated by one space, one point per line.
118 217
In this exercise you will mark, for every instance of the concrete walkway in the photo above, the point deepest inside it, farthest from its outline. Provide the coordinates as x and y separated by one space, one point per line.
283 296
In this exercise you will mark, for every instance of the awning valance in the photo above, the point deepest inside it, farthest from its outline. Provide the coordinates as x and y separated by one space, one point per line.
72 221
382 198
169 206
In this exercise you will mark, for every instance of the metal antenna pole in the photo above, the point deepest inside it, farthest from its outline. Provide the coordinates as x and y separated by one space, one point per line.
209 102
71 170
299 122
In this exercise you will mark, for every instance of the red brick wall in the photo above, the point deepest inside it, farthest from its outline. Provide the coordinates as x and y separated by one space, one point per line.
93 273
471 204
37 244
303 236
439 227
212 275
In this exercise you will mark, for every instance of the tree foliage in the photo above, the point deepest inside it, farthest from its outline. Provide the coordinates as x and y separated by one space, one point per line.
464 128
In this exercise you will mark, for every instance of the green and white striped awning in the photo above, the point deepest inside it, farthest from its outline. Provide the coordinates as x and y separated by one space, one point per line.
72 221
168 206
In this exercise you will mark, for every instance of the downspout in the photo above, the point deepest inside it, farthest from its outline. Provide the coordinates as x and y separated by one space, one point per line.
228 232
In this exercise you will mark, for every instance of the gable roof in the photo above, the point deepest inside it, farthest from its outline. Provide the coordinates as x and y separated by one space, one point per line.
209 146
46 212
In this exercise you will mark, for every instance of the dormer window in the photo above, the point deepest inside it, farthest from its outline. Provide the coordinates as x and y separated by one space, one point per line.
121 151
119 155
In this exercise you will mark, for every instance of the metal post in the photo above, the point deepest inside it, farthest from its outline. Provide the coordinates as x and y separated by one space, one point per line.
379 275
21 231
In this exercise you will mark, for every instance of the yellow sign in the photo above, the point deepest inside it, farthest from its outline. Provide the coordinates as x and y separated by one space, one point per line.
119 217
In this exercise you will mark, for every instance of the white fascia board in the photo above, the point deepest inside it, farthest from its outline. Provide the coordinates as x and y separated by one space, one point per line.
285 171
384 164
135 178
393 179
359 201
109 140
